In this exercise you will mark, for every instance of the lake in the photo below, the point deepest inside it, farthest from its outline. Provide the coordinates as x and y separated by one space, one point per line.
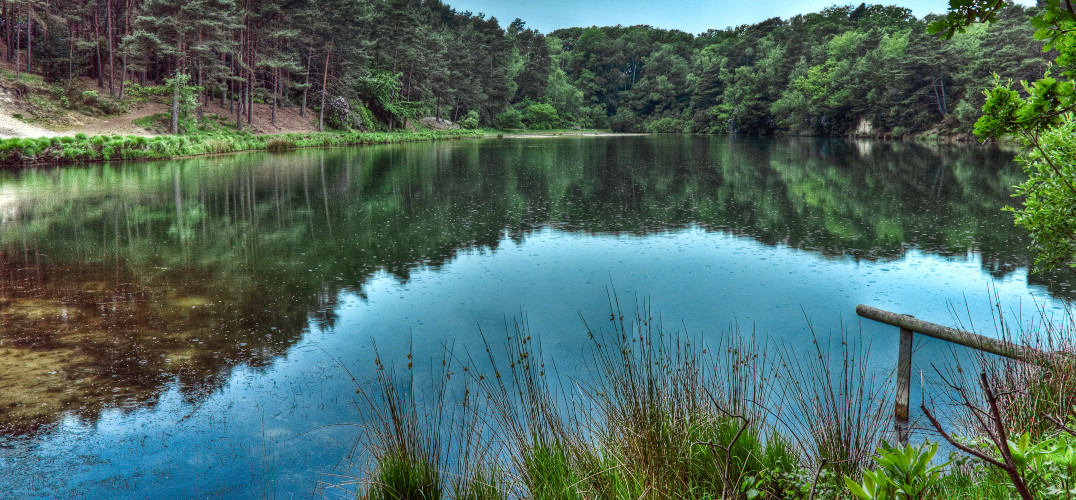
181 329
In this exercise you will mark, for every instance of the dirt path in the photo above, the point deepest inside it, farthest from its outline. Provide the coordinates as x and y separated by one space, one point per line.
14 127
120 124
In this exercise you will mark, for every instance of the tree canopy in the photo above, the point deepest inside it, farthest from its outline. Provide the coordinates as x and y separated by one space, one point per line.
1041 114
854 70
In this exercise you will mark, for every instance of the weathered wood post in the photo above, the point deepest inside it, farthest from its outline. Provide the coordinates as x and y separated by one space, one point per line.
908 324
904 385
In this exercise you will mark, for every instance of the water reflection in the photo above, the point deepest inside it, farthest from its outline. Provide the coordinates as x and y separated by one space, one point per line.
118 281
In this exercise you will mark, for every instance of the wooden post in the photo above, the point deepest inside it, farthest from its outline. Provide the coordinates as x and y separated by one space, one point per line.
904 382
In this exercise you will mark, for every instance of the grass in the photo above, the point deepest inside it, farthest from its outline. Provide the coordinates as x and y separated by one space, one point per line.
838 413
666 416
1032 390
82 149
280 144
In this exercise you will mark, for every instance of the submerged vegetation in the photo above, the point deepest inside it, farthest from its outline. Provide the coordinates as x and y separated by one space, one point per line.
669 415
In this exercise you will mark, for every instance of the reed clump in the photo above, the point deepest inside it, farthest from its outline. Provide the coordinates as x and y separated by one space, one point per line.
662 415
279 144
667 415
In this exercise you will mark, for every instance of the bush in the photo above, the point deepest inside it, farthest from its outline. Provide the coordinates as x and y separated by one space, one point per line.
338 114
278 144
624 121
667 125
470 122
541 117
511 118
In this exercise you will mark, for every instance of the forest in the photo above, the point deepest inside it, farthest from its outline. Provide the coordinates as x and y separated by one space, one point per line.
864 70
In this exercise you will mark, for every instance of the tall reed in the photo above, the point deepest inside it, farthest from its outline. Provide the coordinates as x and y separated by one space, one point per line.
662 415
1029 390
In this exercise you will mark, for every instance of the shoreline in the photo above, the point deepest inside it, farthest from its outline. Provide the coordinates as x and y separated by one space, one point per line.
24 153
18 154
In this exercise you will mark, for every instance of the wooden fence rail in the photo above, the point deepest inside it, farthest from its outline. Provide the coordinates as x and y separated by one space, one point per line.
909 325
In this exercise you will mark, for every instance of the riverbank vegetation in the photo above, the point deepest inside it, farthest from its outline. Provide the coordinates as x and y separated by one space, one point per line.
381 66
670 415
82 148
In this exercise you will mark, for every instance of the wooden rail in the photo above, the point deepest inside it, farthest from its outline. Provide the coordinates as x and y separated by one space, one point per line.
909 325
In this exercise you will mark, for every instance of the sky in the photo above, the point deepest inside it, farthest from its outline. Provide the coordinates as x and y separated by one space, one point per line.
692 16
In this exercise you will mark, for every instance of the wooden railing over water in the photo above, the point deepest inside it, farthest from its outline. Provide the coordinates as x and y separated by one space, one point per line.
909 324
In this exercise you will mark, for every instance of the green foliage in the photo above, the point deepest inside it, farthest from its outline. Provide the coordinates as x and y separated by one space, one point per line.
541 117
550 475
469 122
904 473
624 121
82 148
185 96
1049 465
483 485
278 144
56 58
509 119
667 125
1041 116
401 477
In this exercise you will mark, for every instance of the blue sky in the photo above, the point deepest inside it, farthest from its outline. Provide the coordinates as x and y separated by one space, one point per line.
693 16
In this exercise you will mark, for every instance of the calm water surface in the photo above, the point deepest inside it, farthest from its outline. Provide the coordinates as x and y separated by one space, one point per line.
169 330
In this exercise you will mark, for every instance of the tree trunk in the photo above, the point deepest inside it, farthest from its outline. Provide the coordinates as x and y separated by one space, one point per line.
238 108
276 88
306 82
174 127
238 87
97 38
126 31
250 84
410 72
7 32
18 53
201 79
945 105
324 89
223 80
111 52
70 61
29 38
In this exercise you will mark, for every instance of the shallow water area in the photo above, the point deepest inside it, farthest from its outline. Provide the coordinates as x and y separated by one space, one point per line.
182 329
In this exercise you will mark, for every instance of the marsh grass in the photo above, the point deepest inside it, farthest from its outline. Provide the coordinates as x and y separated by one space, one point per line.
838 411
666 415
1046 386
86 149
662 415
279 144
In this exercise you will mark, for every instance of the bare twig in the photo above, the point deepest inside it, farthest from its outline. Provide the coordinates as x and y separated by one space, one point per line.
998 435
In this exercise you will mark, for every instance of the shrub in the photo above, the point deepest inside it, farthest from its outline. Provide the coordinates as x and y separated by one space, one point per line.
278 144
624 121
541 117
470 122
511 118
667 125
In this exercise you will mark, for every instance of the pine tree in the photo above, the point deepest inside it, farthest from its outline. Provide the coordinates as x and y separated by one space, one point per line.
190 33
